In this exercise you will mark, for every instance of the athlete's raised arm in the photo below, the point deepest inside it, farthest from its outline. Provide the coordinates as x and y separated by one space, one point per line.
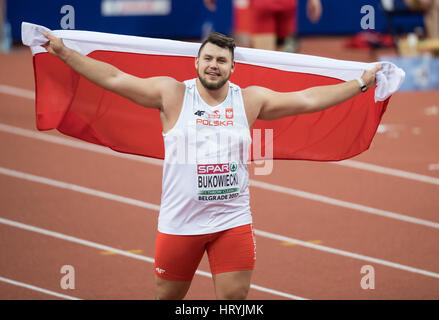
275 105
146 92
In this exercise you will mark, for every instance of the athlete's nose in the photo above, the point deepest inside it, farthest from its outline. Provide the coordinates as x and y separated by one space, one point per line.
213 64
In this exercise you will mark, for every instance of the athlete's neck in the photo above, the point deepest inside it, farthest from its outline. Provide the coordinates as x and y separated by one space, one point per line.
213 97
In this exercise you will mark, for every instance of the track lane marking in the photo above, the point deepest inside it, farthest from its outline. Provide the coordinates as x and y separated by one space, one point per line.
253 183
389 171
344 204
292 244
35 288
111 253
347 254
18 92
103 247
75 143
77 188
97 193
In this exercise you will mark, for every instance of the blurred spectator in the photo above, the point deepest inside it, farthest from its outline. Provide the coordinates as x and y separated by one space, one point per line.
431 15
5 29
273 22
430 8
2 22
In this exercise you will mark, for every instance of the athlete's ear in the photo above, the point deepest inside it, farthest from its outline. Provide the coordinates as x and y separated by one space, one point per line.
233 66
196 63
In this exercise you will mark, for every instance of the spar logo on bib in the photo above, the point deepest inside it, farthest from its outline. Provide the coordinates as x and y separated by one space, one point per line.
217 182
218 168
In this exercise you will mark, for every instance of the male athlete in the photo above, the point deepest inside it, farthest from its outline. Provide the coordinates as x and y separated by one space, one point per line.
205 204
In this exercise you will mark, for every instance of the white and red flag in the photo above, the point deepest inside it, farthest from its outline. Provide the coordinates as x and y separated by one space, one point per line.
76 107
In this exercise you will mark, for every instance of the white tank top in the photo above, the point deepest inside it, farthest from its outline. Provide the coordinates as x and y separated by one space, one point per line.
205 187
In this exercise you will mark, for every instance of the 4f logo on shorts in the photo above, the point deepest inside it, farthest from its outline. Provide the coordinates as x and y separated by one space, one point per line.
159 270
229 113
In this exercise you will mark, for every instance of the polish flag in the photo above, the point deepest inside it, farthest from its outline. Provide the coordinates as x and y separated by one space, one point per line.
76 107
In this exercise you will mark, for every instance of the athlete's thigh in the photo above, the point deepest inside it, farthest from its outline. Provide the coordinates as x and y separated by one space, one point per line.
232 285
232 258
176 260
170 290
232 250
285 21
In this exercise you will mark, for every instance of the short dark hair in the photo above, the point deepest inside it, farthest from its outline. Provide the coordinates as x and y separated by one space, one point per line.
220 40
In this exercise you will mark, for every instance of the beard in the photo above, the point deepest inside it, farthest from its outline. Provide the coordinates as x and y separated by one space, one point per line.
213 86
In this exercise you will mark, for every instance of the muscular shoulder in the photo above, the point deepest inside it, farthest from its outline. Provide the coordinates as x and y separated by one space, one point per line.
171 91
255 93
253 98
169 86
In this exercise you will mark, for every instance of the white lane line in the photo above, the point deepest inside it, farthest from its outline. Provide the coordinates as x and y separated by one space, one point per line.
254 183
347 254
389 171
344 204
348 163
75 144
74 187
34 288
102 247
14 91
261 233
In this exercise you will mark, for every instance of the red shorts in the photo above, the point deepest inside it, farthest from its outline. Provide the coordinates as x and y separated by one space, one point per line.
280 22
177 256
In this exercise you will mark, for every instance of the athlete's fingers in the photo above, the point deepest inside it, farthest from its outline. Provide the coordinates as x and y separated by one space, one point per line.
49 36
376 68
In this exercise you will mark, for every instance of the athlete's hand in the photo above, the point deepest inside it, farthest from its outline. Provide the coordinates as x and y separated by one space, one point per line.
369 76
55 46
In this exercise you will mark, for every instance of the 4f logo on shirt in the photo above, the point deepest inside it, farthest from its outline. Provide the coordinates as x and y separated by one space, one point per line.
229 113
215 115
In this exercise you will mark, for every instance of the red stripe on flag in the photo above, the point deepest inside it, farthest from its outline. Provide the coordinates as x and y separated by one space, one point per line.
79 108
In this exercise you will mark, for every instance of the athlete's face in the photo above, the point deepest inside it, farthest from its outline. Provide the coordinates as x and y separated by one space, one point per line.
214 66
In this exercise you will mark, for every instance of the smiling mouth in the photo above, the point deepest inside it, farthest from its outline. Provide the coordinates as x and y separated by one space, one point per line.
212 74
